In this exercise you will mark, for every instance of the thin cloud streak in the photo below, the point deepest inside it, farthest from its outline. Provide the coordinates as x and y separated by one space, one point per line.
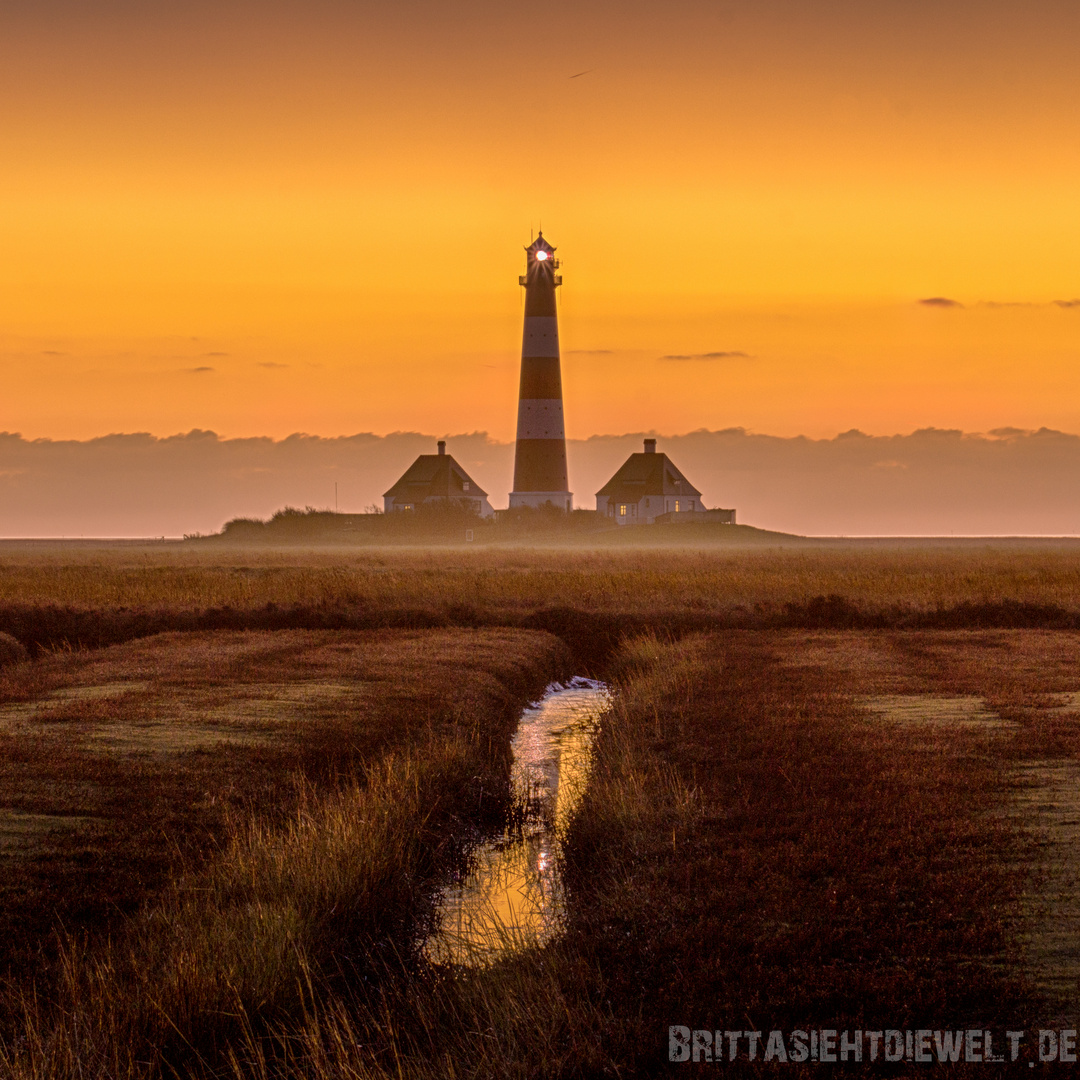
732 354
1029 304
946 302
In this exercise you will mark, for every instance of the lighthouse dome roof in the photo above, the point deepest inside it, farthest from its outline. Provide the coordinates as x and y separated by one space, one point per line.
539 244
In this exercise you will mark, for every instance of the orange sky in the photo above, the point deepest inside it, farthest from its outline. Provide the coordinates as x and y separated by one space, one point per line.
265 218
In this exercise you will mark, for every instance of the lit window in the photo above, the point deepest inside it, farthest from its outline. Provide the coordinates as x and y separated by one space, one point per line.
676 506
622 509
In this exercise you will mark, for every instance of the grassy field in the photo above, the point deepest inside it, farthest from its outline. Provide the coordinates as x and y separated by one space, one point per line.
225 843
783 831
131 774
644 580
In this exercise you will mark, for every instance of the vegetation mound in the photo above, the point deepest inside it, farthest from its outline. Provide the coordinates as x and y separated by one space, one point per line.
452 524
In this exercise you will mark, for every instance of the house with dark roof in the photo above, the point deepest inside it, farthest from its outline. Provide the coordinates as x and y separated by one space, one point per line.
437 480
649 488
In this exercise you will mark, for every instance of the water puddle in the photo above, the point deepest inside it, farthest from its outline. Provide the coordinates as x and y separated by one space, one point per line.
512 895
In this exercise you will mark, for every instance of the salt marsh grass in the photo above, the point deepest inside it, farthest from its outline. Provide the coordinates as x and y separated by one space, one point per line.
761 843
158 890
754 851
645 580
233 946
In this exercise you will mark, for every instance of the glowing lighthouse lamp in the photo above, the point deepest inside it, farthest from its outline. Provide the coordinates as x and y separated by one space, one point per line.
540 454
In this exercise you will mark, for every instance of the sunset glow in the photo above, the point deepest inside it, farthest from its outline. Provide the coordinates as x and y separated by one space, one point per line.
223 215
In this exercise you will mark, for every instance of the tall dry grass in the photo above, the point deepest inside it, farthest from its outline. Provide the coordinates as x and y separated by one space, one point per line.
751 853
118 765
305 862
238 946
507 581
748 856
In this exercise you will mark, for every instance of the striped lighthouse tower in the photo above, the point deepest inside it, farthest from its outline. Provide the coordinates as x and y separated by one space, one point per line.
540 456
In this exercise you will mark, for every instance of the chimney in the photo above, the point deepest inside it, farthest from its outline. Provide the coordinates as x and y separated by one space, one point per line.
650 446
442 448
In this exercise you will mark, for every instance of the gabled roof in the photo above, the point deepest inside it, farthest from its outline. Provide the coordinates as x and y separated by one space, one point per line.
434 476
647 474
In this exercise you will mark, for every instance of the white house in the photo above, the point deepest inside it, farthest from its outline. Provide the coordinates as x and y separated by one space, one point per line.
649 487
437 479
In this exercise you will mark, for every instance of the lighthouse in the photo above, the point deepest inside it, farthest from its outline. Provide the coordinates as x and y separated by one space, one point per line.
540 455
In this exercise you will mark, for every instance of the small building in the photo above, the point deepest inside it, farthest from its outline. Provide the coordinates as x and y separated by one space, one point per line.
437 480
650 489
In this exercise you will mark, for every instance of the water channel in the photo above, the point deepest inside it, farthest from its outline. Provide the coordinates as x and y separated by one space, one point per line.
511 894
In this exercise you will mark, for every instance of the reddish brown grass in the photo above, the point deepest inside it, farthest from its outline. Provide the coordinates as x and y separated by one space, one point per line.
776 835
120 765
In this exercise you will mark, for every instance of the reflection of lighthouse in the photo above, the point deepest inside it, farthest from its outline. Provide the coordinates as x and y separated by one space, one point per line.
540 457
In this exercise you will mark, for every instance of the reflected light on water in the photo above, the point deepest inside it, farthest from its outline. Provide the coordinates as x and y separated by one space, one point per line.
512 896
